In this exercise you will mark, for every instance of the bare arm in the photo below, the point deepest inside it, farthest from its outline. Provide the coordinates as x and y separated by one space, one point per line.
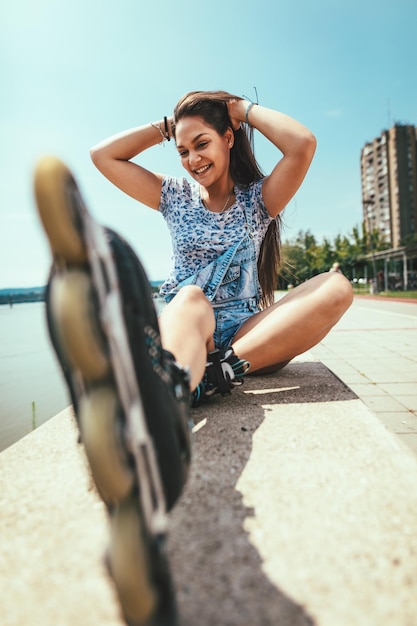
113 158
294 140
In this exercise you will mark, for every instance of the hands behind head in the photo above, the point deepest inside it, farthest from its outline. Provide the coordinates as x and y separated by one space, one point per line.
236 109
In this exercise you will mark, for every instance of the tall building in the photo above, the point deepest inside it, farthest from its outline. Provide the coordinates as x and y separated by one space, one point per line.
389 183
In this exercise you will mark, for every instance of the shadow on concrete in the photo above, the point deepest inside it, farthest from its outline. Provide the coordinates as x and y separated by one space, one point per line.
217 571
298 382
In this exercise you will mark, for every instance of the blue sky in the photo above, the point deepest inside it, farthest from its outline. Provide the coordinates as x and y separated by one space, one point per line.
73 73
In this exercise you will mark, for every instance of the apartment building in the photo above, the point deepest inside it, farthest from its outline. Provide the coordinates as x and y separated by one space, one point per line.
389 183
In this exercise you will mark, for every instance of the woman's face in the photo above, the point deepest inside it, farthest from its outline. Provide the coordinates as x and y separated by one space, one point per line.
203 152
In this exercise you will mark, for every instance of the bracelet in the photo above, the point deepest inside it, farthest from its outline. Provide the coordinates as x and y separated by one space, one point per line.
248 108
164 135
158 127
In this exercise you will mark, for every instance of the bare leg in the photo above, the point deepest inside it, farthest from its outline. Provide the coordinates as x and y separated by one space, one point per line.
187 325
294 324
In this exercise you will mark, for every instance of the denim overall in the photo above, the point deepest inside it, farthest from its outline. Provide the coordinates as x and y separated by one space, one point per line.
231 285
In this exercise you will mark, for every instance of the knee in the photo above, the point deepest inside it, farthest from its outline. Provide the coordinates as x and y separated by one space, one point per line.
190 300
191 295
341 291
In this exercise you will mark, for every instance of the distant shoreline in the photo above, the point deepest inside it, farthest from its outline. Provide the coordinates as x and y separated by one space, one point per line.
20 295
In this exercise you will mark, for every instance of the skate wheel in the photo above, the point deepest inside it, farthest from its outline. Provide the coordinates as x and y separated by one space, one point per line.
57 196
102 439
74 313
129 564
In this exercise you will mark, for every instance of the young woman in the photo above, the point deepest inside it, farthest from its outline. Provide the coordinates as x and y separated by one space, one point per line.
227 199
130 374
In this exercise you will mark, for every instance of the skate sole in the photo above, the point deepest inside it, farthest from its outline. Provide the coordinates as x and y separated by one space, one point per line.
101 365
57 198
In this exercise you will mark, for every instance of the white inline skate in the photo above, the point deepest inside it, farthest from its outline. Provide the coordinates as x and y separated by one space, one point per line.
130 397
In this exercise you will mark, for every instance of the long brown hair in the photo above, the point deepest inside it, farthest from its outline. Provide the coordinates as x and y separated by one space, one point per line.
244 170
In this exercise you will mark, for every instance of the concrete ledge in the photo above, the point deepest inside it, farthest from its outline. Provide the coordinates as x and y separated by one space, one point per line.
301 509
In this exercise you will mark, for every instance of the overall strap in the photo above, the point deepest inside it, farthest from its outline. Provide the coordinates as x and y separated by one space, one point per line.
248 214
220 268
250 234
211 276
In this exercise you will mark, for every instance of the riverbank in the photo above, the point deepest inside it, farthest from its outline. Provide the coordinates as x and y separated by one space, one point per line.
22 295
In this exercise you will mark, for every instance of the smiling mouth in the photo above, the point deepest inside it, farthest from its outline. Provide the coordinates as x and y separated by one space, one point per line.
203 169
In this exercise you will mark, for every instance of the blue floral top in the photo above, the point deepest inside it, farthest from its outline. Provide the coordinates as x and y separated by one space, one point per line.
200 236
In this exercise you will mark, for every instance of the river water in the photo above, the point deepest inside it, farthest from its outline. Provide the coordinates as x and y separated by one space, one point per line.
32 389
31 385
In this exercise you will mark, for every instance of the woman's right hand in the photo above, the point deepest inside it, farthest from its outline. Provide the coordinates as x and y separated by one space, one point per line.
236 108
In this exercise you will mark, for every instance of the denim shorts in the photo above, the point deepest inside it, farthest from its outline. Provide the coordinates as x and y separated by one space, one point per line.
229 320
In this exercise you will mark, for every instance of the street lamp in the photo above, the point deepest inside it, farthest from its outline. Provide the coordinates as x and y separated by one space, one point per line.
369 202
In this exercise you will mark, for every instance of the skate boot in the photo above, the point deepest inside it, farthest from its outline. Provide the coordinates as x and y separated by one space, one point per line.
130 397
224 371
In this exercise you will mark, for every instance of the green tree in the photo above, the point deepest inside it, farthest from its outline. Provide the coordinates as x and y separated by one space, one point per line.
294 269
303 257
410 242
308 241
325 256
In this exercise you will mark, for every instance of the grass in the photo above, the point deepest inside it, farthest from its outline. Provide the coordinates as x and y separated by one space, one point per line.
411 295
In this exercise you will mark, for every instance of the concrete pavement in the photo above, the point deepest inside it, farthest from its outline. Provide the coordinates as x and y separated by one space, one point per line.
373 349
301 508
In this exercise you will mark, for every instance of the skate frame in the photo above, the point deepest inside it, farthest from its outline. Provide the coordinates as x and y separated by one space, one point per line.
138 441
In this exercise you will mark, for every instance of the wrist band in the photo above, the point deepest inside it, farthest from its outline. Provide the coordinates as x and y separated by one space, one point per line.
248 108
167 135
